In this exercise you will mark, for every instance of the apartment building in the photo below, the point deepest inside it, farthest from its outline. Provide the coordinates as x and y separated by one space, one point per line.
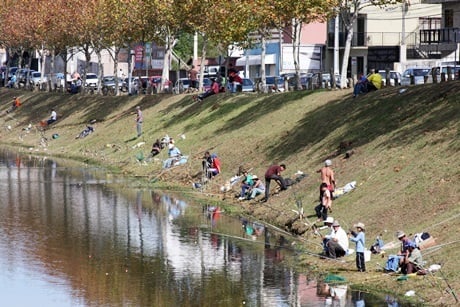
388 37
444 40
279 57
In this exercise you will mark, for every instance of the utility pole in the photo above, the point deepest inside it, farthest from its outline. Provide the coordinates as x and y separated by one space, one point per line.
403 49
336 45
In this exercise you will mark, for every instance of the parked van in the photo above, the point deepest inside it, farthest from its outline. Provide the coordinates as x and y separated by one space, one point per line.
454 71
421 75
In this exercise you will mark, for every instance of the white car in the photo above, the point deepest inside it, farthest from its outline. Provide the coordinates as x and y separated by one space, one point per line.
394 75
36 78
421 75
91 80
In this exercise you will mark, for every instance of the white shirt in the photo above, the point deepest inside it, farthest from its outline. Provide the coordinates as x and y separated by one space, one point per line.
341 237
53 115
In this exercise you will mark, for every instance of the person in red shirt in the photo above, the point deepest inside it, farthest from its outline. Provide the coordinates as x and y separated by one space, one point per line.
212 91
274 173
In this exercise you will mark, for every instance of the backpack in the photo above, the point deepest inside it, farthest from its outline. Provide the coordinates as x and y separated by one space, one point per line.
392 264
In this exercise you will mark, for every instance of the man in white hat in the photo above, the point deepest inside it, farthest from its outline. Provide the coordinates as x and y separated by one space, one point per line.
337 245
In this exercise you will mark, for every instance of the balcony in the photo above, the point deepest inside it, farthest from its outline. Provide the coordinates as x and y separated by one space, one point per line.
371 39
440 36
442 41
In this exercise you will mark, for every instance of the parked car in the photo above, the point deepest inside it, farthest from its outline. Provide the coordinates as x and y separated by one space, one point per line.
36 78
109 82
181 85
421 75
394 75
12 71
91 80
22 73
326 80
305 81
156 80
247 86
271 85
454 72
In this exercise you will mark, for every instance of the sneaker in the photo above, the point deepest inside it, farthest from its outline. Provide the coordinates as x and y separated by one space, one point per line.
241 198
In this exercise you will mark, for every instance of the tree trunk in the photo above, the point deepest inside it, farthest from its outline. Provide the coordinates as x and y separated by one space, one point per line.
263 80
346 54
297 25
167 60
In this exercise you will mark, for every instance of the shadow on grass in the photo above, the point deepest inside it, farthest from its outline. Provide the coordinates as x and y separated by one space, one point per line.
100 108
218 106
401 117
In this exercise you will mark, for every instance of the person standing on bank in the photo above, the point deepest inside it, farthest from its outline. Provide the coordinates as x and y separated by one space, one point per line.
360 239
274 173
327 175
139 120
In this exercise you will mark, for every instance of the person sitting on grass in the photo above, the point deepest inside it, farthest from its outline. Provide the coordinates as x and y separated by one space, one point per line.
212 91
412 261
257 188
246 184
360 86
52 118
16 104
156 149
174 156
375 81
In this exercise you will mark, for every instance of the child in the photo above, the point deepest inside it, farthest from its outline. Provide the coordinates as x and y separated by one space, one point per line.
360 239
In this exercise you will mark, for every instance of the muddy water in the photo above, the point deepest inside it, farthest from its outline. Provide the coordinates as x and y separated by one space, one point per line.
70 237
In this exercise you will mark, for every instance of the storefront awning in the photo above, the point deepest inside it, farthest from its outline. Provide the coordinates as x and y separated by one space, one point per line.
255 60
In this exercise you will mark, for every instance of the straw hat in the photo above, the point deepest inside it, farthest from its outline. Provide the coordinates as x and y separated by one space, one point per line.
400 234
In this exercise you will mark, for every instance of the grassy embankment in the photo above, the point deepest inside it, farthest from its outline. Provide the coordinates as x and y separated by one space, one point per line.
404 156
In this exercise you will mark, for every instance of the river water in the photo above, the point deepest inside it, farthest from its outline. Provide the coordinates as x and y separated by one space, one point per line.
76 236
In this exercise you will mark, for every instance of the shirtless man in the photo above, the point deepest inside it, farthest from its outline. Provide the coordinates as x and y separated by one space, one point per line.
327 175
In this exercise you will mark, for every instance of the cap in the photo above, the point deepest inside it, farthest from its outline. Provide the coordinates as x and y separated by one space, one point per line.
336 223
328 162
400 234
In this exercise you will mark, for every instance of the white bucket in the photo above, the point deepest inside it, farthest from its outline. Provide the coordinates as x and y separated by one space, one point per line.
367 255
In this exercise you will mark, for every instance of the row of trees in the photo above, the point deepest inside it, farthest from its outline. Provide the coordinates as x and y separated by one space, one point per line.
52 27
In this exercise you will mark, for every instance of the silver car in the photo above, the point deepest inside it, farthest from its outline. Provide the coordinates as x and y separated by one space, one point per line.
247 86
36 78
421 75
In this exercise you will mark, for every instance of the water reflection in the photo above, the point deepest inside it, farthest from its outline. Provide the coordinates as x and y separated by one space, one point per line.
71 238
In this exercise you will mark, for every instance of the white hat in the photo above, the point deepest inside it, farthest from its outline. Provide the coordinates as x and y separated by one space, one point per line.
329 220
360 225
328 162
400 234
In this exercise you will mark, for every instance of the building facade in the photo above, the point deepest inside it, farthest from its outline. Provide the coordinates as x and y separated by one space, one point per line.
445 40
388 37
279 58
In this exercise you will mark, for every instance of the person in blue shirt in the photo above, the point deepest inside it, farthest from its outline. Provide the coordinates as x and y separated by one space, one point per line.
360 239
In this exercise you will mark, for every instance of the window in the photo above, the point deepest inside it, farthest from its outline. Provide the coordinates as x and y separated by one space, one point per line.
448 18
427 23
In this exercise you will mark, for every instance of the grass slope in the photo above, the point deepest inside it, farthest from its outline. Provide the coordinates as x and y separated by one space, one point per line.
404 155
